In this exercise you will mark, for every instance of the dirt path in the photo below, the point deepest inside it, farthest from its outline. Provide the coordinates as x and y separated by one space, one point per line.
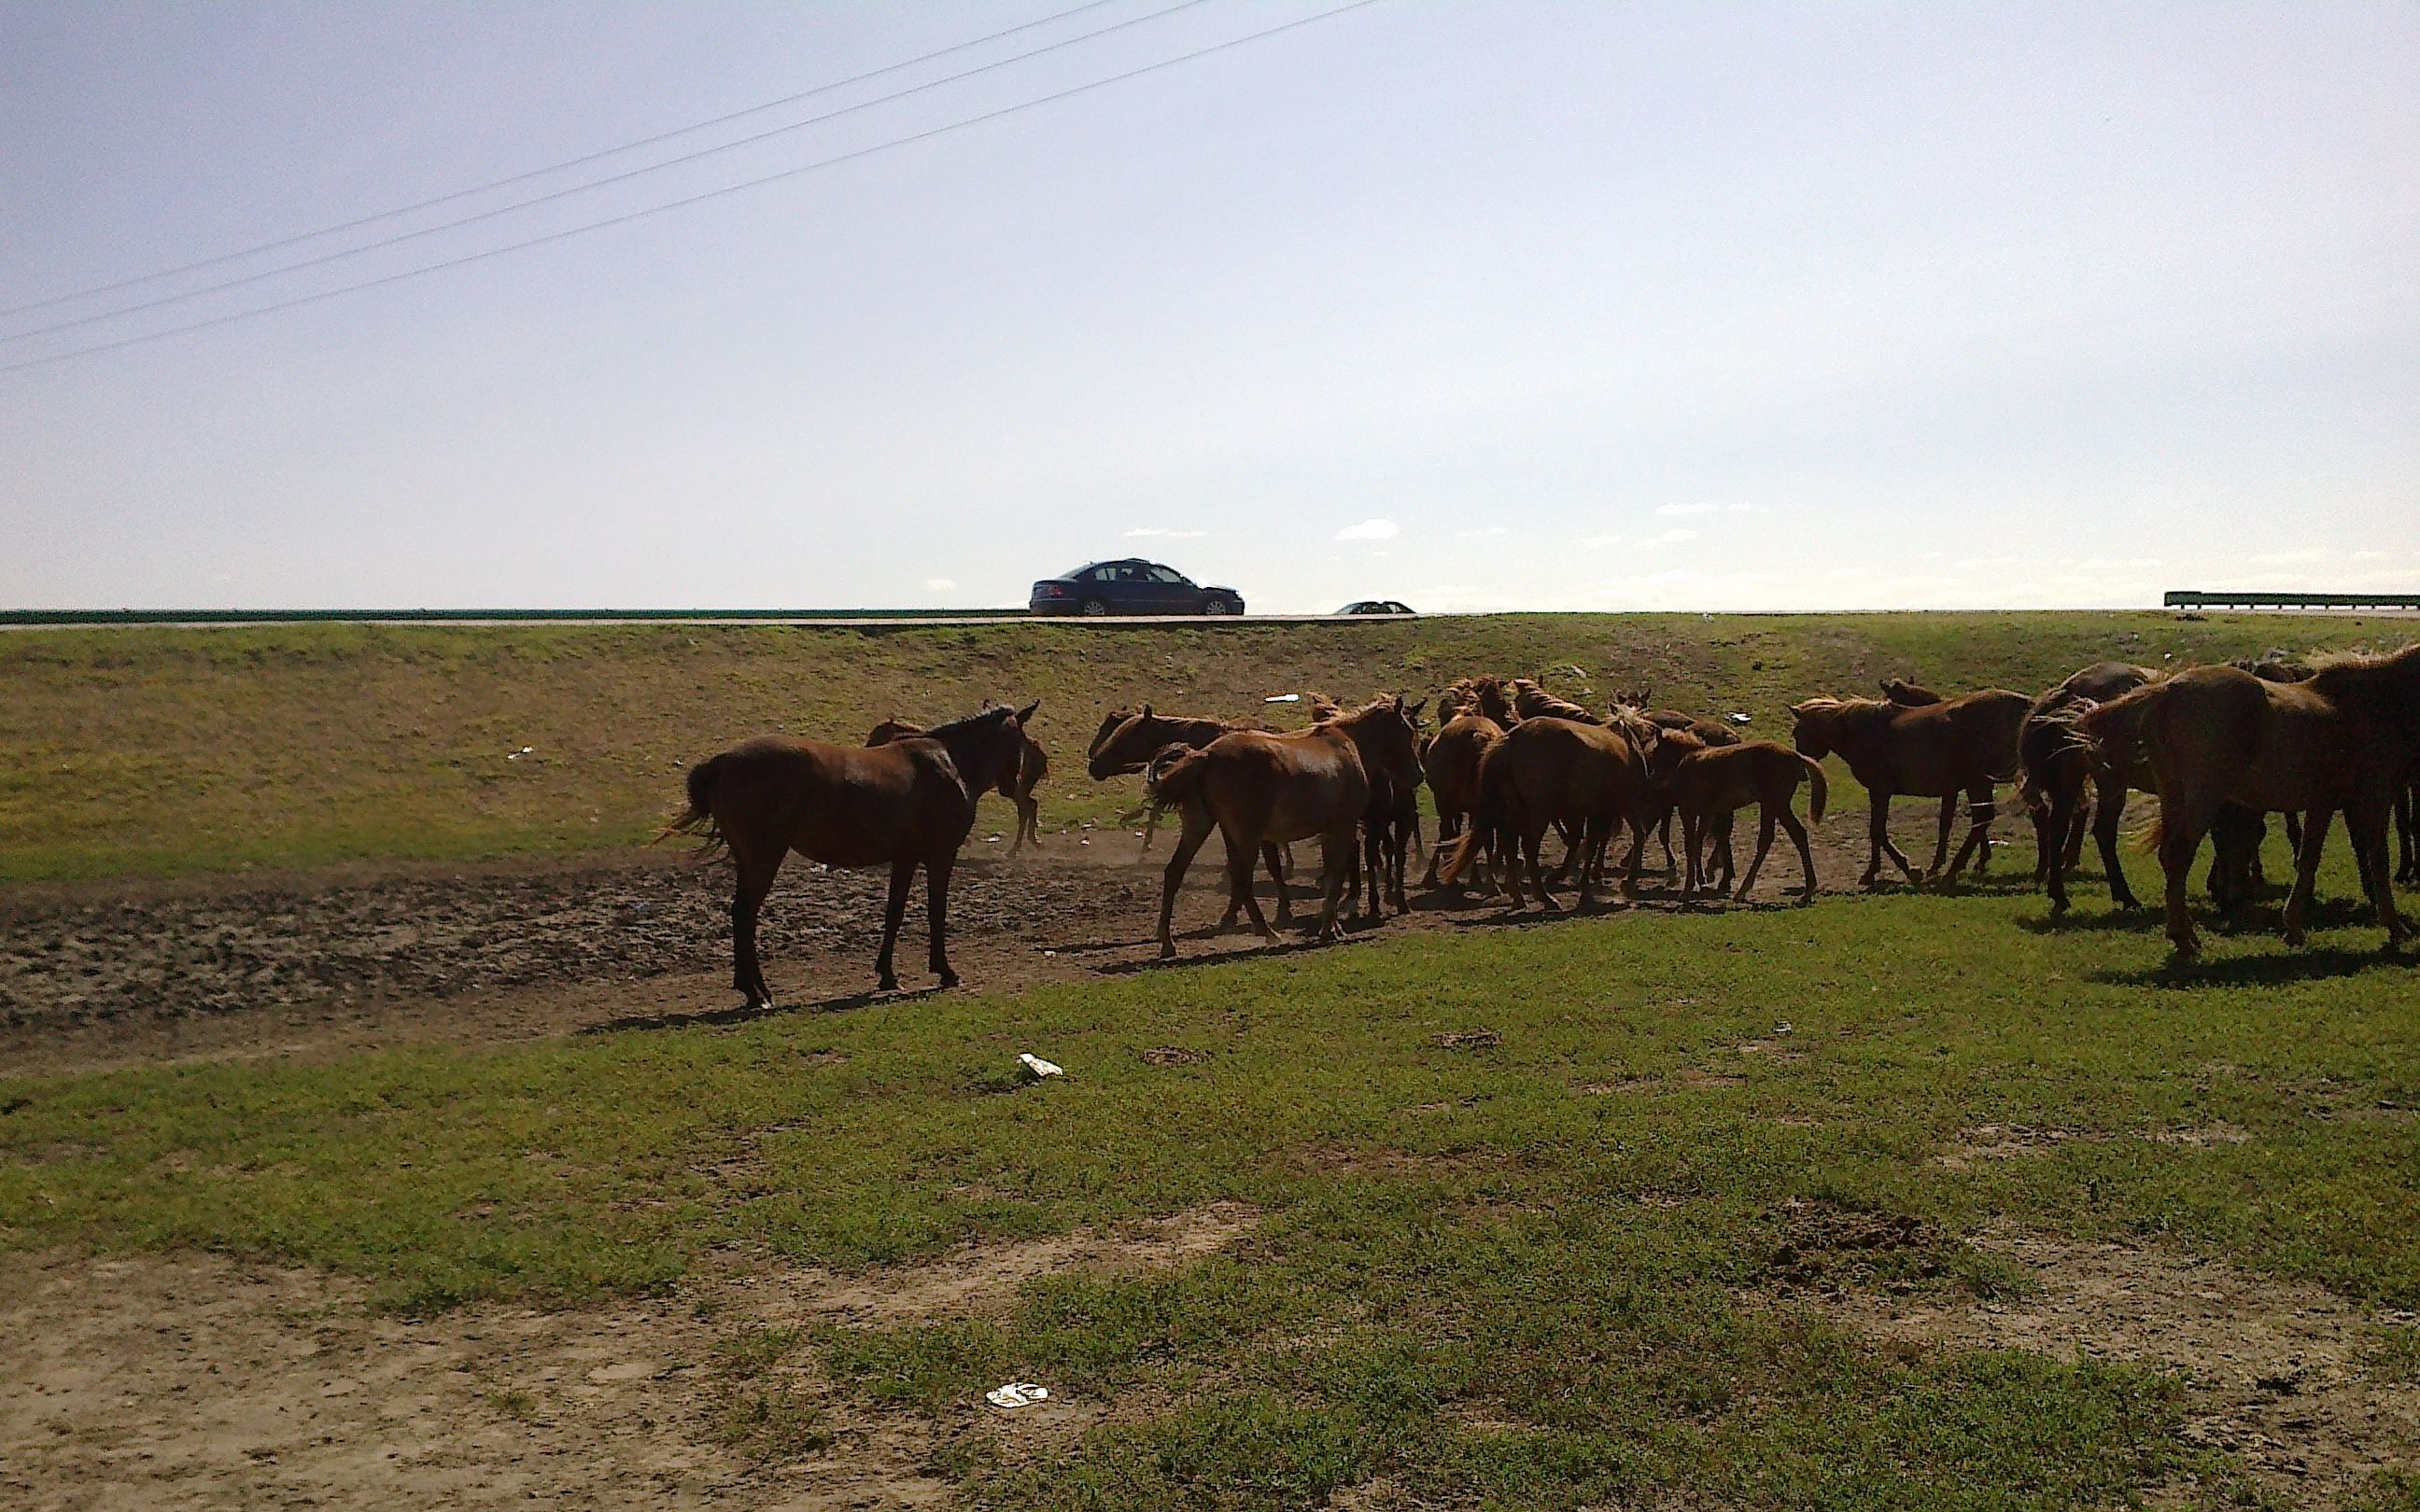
98 976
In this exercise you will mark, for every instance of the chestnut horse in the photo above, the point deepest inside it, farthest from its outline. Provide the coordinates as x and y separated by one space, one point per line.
1961 745
1259 788
1588 779
2057 770
1018 784
1708 785
905 804
1449 758
2343 739
1705 732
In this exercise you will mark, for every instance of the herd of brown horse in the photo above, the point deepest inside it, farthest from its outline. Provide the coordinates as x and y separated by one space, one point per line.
2220 745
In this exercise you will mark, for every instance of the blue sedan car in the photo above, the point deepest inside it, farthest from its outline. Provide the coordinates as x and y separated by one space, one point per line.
1131 586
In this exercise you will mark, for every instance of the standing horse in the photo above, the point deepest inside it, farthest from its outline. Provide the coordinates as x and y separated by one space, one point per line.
1128 739
1019 784
1259 788
1449 760
1962 746
904 803
1705 732
2058 768
1587 779
1709 783
2343 739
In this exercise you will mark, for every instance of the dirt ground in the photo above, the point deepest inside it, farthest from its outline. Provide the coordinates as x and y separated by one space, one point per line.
101 975
194 1382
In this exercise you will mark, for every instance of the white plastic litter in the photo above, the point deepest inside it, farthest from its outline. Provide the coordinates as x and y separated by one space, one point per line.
1016 1394
1282 698
1782 1028
1736 719
1040 1067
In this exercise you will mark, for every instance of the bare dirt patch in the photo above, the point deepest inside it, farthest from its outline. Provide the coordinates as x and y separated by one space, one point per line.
2275 1370
363 955
194 1382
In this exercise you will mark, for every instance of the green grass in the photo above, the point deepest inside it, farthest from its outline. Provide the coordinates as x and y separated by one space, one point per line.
1481 1275
151 750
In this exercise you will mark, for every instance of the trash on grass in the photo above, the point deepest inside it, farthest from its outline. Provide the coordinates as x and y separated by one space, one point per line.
1040 1067
1736 719
1282 698
1016 1394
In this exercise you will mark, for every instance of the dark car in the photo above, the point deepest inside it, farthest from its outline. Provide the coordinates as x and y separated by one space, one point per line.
1131 586
1375 606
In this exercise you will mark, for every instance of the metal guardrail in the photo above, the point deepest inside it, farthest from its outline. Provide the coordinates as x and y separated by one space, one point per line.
2197 598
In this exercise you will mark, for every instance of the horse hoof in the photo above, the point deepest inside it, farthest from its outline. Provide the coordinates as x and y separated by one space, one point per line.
948 979
886 984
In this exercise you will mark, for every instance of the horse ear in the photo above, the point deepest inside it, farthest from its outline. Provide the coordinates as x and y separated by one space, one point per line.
1146 711
1027 712
1413 709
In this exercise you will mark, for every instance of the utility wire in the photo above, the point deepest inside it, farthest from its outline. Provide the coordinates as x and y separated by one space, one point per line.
539 173
692 199
347 254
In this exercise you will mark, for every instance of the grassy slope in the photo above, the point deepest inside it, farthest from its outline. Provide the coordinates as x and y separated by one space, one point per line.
162 751
1482 1274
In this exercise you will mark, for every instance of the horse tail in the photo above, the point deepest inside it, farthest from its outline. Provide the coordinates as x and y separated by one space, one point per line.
699 817
1817 787
1174 777
2151 841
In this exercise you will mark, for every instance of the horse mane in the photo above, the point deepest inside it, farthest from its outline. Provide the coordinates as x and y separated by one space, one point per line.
971 723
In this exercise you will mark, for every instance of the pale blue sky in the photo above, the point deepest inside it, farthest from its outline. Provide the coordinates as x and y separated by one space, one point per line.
1699 306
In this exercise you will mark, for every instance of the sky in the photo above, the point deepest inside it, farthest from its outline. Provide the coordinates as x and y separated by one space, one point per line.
1480 307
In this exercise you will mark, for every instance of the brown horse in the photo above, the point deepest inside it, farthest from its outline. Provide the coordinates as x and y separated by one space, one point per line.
905 804
2341 740
1128 739
1531 701
1588 779
1449 760
1704 733
1908 695
1390 758
1257 789
1709 783
1961 745
1019 784
2058 768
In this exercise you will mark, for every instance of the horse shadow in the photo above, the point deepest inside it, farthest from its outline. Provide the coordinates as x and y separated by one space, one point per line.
750 1013
2271 970
1255 952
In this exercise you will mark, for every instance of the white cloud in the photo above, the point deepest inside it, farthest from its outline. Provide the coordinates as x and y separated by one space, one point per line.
1473 536
940 585
1174 535
1598 543
1667 537
1370 529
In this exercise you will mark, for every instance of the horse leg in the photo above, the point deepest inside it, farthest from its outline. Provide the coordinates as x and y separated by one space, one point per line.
1336 852
1941 846
2407 829
1978 839
903 875
2368 826
2108 812
1526 860
1878 840
937 922
1239 886
2053 855
1764 824
2087 811
1196 829
1664 833
1279 861
2180 830
1797 833
753 881
1447 829
2306 870
1029 823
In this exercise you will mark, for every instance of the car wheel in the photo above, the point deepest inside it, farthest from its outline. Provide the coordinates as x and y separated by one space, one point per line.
1092 606
1219 606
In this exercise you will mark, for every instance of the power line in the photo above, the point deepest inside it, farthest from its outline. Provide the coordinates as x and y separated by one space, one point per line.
539 173
692 199
347 254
